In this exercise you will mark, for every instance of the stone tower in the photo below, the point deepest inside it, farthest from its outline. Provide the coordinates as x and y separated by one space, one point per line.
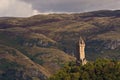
81 52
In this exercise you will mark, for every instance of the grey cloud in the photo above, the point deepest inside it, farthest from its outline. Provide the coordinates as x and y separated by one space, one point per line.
32 7
73 5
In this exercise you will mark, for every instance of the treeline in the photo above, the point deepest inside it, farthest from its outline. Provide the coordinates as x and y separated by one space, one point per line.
101 69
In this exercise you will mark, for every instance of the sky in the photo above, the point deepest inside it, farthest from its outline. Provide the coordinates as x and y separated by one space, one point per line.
25 8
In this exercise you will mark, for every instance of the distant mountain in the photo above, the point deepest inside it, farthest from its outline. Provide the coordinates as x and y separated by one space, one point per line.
49 41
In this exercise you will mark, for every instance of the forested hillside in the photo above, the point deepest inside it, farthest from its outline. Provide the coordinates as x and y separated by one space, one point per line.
101 69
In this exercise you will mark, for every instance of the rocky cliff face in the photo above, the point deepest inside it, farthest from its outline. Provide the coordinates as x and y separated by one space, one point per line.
112 44
21 75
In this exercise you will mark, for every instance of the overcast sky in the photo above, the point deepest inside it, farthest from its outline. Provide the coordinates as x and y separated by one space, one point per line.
24 8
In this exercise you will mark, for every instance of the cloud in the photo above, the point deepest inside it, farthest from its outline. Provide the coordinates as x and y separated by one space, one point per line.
73 5
33 7
16 8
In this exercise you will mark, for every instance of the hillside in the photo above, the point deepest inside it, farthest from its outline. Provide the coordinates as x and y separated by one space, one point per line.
21 67
50 40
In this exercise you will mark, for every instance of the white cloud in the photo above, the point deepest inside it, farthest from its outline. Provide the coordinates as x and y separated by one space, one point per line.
16 8
35 12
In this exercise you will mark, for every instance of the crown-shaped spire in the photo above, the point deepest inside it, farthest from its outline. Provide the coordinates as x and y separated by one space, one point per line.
81 41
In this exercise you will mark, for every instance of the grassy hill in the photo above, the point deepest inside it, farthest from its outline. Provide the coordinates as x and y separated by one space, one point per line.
14 65
50 40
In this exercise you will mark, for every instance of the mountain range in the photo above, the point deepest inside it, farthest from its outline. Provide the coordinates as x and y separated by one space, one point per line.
34 48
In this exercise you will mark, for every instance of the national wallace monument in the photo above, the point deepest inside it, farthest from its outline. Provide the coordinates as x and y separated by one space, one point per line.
80 55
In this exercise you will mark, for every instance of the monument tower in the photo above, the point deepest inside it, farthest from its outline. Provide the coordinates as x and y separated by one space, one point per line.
81 52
